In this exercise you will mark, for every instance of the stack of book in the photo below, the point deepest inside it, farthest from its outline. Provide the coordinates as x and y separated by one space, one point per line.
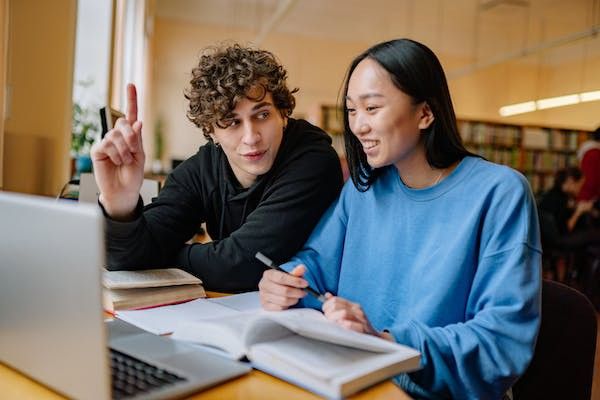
126 290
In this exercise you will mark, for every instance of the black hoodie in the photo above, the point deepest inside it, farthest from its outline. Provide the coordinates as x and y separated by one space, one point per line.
275 215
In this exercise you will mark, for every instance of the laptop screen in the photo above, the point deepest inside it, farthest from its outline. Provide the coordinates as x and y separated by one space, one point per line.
52 325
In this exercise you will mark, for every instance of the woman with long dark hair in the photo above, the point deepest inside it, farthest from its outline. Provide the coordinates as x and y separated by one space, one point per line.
429 245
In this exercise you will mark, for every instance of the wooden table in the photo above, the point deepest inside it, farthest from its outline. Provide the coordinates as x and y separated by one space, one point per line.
255 385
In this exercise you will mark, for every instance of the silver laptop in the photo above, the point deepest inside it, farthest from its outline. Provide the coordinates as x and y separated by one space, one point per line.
52 325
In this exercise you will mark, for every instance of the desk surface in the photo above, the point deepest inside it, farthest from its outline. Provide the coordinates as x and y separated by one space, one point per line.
255 385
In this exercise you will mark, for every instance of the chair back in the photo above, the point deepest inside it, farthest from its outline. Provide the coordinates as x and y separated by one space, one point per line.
563 362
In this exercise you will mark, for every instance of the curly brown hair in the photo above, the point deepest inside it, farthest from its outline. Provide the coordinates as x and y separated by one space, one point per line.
226 74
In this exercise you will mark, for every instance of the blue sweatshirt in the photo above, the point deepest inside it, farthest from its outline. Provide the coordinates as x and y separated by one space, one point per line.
453 270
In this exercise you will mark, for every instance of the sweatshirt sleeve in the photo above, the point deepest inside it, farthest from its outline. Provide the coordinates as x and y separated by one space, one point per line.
322 253
484 355
278 227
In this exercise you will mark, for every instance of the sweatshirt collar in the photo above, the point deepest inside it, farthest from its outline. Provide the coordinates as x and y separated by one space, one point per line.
435 191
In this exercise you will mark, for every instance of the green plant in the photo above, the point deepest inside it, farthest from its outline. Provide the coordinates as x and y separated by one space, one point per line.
159 140
85 128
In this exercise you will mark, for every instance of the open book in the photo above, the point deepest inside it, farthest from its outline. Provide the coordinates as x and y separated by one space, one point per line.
149 288
302 347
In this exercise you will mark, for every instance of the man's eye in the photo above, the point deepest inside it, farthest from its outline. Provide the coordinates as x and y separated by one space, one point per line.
228 123
263 115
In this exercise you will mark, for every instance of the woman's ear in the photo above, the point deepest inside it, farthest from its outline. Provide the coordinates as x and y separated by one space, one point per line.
426 117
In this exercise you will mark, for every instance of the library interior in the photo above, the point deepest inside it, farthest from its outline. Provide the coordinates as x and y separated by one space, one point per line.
524 80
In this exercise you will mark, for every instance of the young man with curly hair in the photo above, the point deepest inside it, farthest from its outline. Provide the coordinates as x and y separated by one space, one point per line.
261 182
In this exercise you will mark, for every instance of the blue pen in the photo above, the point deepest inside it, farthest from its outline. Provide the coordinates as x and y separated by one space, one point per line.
269 263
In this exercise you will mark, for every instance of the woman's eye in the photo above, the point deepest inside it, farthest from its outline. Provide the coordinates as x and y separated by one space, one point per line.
350 110
371 108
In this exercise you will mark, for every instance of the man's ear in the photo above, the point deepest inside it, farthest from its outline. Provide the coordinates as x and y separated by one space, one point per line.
426 117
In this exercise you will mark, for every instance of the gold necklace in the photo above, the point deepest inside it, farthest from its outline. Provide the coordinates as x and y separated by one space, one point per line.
437 180
439 177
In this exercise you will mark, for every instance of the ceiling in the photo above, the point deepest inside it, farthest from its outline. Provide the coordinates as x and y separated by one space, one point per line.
467 34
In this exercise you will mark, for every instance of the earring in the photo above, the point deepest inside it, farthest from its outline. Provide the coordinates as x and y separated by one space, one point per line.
217 144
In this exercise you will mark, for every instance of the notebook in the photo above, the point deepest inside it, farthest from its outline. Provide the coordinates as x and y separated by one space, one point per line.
52 326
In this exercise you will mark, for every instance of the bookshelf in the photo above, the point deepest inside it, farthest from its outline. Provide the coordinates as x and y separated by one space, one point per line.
537 152
331 122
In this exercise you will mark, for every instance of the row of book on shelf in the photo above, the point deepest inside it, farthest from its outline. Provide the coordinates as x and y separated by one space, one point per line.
525 137
526 160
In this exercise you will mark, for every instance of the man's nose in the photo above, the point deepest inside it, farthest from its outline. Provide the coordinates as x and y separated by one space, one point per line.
251 134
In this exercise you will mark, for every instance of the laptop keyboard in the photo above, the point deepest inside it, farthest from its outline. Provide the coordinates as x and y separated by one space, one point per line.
132 377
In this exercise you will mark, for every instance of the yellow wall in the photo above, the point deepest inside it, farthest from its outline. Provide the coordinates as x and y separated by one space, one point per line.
40 76
480 95
311 63
317 67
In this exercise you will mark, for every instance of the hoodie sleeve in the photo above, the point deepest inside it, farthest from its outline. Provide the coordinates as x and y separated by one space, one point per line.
290 208
160 228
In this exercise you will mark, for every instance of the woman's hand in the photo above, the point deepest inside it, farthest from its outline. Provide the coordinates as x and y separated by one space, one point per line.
279 290
350 316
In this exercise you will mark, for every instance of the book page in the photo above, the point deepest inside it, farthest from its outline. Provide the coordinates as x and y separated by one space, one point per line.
221 333
232 333
313 324
320 359
147 278
326 369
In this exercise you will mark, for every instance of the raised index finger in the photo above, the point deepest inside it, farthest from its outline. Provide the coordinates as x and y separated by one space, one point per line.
131 104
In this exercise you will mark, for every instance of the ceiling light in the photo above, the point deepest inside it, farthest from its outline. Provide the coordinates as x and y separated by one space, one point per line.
518 108
560 101
550 102
590 96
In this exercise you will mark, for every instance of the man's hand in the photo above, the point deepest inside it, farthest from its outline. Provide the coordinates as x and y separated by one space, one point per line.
278 290
119 162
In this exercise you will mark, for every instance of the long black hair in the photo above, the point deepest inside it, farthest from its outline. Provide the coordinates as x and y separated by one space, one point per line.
416 71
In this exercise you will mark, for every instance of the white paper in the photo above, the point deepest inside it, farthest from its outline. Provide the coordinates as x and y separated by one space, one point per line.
164 320
240 302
